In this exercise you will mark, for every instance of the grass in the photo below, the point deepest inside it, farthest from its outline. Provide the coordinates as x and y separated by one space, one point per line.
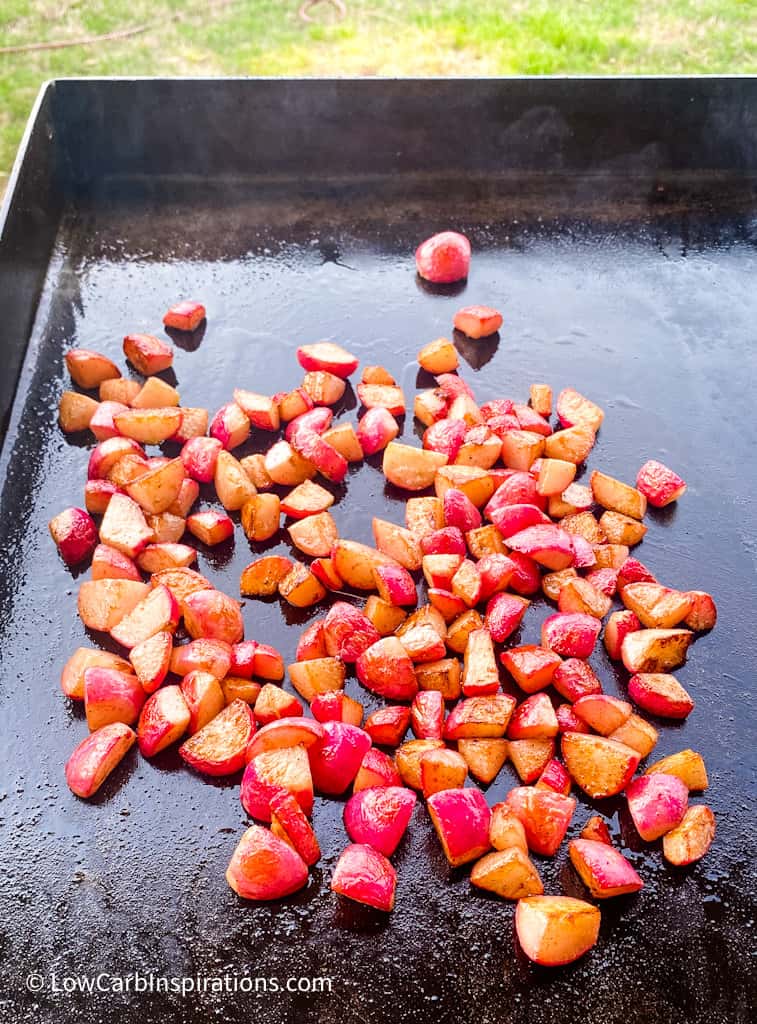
378 37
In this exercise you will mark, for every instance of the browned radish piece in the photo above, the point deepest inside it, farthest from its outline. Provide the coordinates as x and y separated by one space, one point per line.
572 445
147 354
155 394
181 582
460 629
532 667
185 315
230 426
575 410
194 423
505 829
289 822
75 411
423 516
443 258
530 757
75 535
336 706
111 696
659 485
690 840
573 499
555 930
655 606
265 867
325 355
89 369
273 703
660 694
219 748
655 650
386 669
480 675
157 557
307 499
541 399
344 439
103 603
166 527
602 712
233 485
687 765
164 720
316 676
601 767
314 535
398 543
355 563
553 582
617 627
555 476
484 757
427 715
260 516
366 876
301 588
294 404
477 484
533 719
442 675
439 356
507 873
596 829
430 407
96 757
157 489
703 613
442 769
657 804
423 644
388 725
210 527
461 818
324 388
347 632
521 448
262 577
578 595
376 375
376 429
287 467
320 453
479 718
412 469
151 660
478 321
148 426
638 734
616 496
620 529
72 676
213 656
119 389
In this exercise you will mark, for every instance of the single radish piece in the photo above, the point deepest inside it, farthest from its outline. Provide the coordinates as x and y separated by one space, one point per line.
366 876
164 720
604 870
461 818
219 748
264 867
335 759
289 822
96 757
75 535
690 840
111 696
444 258
478 321
555 930
657 804
659 485
379 817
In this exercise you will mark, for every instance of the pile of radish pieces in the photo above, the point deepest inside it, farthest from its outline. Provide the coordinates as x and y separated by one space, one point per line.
493 517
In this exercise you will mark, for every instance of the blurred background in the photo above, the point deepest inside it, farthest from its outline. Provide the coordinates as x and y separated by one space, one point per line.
42 39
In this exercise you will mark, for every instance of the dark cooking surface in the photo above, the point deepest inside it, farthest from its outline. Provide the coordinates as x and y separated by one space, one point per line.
653 316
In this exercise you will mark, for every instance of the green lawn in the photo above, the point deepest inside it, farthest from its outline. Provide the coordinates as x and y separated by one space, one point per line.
378 37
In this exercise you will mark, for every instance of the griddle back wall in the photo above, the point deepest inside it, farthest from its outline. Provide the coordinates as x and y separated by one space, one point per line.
311 129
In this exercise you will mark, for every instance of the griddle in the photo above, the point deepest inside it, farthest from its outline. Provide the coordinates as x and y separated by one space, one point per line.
614 222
